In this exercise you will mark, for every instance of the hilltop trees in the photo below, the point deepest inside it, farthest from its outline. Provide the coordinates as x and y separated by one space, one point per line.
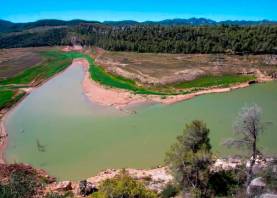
154 38
190 157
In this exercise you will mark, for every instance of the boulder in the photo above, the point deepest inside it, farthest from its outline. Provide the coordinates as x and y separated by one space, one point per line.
274 75
63 186
268 195
256 186
86 188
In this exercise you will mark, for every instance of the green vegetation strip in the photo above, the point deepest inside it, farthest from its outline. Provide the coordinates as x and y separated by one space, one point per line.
209 81
54 62
8 97
100 75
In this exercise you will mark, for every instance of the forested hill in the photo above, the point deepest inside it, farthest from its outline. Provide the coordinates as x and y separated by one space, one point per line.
170 36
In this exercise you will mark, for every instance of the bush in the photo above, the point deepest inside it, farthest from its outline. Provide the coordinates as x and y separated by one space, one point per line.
123 186
98 195
169 191
21 184
227 182
5 191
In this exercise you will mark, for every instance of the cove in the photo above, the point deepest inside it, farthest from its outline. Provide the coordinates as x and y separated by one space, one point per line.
56 128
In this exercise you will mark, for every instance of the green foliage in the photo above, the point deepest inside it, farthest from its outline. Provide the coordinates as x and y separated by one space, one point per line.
98 195
9 96
169 191
209 81
227 182
190 157
123 186
5 97
54 62
5 191
22 184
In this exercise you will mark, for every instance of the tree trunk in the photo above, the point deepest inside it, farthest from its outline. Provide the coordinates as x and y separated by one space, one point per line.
252 162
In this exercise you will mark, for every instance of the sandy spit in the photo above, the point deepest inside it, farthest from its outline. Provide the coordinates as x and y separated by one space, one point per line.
119 98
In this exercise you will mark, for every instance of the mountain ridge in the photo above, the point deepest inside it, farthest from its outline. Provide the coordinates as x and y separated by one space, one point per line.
8 26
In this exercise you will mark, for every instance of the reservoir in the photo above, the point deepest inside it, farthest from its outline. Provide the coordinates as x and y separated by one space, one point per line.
56 128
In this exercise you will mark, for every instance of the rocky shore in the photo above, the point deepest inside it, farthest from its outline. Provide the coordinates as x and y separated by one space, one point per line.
155 179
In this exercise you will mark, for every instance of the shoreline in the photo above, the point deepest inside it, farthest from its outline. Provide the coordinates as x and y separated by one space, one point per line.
120 98
5 112
4 138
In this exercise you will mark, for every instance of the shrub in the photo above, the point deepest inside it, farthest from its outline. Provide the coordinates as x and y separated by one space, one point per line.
189 159
227 182
123 186
5 191
21 184
169 191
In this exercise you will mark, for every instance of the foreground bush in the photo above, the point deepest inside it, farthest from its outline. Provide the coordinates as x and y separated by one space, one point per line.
169 191
21 184
227 182
123 186
189 159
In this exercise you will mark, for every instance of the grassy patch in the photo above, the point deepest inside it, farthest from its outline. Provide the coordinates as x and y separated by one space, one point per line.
100 75
54 62
9 96
5 97
209 81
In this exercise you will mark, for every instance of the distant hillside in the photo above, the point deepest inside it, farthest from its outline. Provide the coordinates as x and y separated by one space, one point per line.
121 23
7 26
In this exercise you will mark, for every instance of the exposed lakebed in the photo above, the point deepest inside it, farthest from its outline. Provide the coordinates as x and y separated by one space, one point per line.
58 129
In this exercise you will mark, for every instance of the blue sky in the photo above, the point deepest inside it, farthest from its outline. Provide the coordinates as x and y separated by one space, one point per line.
31 10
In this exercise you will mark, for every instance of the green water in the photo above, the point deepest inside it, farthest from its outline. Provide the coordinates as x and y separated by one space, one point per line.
80 138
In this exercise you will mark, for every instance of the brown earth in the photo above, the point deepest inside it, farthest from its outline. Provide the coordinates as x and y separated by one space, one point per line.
16 60
161 69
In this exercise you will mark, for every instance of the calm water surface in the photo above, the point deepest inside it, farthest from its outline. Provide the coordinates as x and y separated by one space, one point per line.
58 129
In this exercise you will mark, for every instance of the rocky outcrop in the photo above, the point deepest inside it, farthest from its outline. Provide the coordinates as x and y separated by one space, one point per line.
86 188
62 186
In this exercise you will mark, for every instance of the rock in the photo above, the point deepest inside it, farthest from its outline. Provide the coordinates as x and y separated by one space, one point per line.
86 188
268 195
252 82
256 186
274 75
63 186
258 182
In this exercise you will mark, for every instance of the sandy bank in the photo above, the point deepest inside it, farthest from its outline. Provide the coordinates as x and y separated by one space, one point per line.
3 140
